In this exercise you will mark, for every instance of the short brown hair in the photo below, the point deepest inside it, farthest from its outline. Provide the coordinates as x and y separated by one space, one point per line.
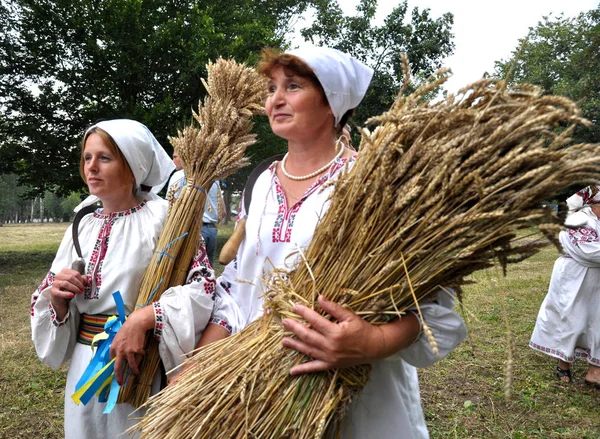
291 64
112 145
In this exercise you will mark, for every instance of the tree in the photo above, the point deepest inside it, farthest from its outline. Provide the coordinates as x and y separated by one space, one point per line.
13 206
426 42
65 64
561 56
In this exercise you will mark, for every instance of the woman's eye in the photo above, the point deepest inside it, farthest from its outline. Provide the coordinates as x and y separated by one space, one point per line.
271 89
105 158
293 86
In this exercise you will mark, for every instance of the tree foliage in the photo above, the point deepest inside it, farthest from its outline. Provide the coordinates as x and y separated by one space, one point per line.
425 40
561 56
65 64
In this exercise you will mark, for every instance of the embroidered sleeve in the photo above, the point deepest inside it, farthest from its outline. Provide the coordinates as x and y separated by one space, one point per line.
222 323
201 271
158 320
46 282
583 235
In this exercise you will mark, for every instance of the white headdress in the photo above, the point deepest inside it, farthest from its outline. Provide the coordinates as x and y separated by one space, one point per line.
579 204
344 78
149 163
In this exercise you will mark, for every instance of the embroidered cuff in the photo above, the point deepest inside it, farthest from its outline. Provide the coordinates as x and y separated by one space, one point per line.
54 319
158 320
222 323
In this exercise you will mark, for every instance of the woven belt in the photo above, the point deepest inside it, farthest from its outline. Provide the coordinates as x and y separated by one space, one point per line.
90 326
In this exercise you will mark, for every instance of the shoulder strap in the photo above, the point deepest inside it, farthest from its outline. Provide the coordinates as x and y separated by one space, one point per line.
254 176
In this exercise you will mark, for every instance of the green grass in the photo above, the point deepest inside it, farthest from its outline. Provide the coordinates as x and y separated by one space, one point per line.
463 395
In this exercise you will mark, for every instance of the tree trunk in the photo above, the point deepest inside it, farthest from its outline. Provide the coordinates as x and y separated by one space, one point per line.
42 210
33 202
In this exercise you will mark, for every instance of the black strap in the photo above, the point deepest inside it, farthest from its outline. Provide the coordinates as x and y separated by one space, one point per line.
254 176
83 212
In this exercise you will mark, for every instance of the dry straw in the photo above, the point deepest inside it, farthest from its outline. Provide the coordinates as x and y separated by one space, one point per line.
213 149
438 191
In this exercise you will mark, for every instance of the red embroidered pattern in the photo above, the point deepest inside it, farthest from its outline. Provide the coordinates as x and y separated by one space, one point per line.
94 266
53 318
158 320
284 222
583 235
580 353
46 282
200 271
222 323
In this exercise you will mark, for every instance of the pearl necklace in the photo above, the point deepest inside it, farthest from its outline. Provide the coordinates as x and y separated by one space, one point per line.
312 174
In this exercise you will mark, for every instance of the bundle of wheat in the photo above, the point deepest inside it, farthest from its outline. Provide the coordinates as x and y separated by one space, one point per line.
437 192
215 149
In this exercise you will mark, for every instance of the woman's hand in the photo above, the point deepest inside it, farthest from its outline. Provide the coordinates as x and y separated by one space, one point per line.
130 341
66 284
349 341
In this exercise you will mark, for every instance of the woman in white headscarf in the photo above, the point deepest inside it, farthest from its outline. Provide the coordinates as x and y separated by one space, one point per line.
311 94
124 166
567 325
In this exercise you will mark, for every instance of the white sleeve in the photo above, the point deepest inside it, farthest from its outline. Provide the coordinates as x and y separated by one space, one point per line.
448 329
227 313
583 245
182 313
54 340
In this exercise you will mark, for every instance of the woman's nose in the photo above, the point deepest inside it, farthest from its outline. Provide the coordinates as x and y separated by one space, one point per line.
278 98
92 164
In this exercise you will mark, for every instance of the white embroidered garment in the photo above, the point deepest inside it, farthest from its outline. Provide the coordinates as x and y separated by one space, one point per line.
117 248
567 326
390 404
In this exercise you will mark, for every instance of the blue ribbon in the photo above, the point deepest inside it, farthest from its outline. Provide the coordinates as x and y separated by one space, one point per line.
99 377
200 188
164 252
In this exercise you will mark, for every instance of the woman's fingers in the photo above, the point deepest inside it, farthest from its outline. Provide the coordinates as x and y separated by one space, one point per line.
129 343
336 310
304 333
331 344
309 367
68 282
60 291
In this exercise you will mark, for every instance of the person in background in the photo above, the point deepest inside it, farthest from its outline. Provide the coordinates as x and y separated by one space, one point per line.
212 209
179 175
567 326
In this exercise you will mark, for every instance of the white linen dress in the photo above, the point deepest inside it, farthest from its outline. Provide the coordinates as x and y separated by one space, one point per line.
567 325
390 403
117 248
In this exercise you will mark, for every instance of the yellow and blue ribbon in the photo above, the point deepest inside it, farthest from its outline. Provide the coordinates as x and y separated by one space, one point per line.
99 377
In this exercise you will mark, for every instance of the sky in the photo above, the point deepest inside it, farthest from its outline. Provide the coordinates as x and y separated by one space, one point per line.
484 31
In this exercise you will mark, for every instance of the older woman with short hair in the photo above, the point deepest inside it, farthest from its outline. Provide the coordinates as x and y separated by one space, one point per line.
311 93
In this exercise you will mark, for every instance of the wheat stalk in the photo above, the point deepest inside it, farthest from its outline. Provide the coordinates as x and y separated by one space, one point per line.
212 149
438 191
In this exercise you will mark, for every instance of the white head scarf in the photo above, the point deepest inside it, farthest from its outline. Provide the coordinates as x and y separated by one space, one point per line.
344 79
149 163
579 204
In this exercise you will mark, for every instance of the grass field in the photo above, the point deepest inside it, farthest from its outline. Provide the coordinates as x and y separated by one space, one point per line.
463 395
